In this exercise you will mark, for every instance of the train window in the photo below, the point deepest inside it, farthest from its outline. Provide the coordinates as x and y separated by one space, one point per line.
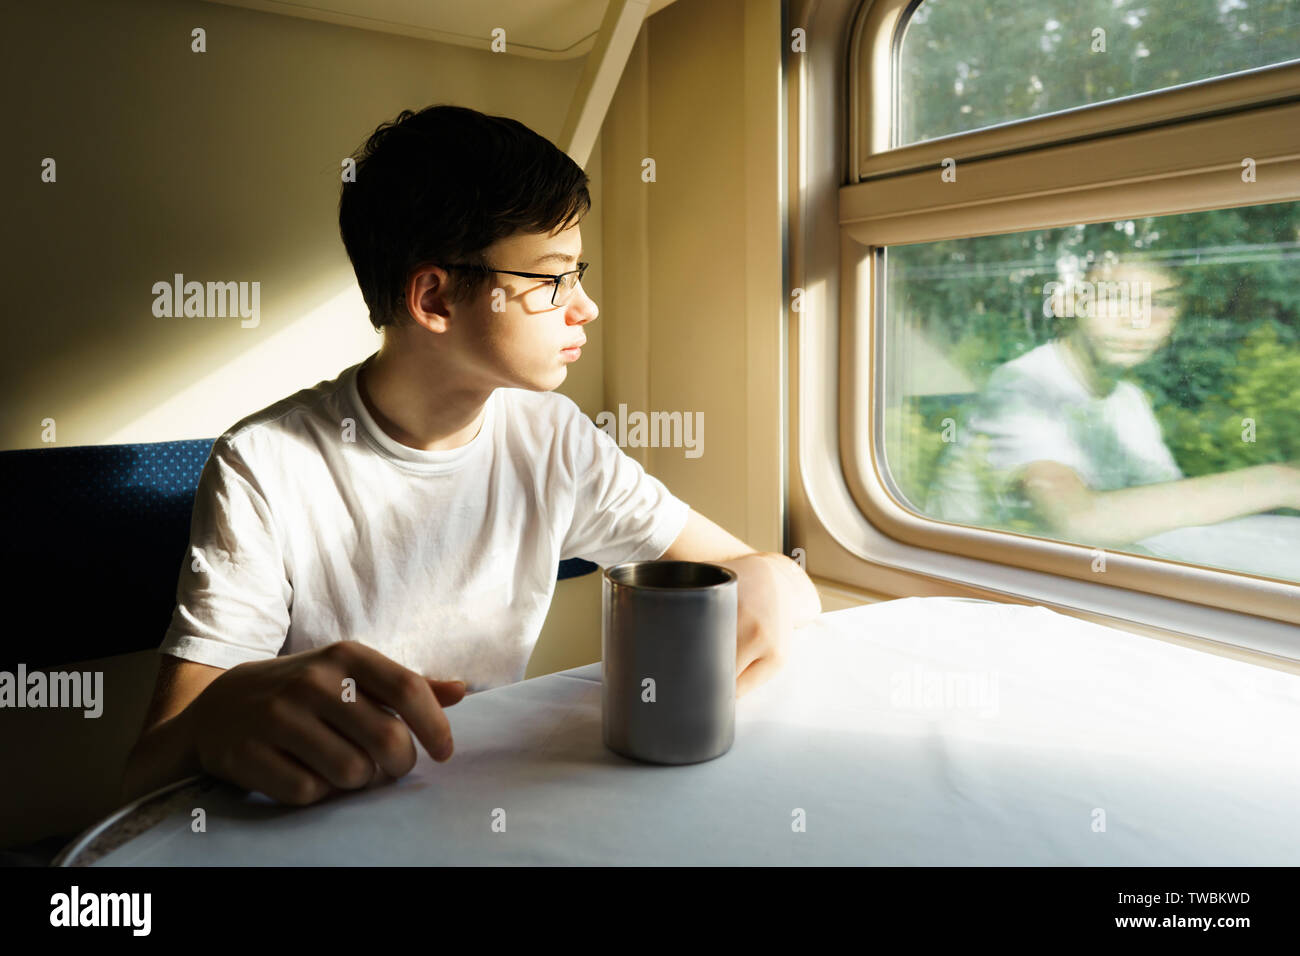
964 66
1132 385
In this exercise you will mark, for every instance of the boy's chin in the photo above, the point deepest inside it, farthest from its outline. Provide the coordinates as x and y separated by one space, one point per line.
1125 362
546 382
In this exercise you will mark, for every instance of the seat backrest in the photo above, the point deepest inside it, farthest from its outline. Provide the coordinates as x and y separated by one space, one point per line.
96 536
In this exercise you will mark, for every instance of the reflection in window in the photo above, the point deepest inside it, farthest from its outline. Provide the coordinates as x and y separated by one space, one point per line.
964 66
1131 385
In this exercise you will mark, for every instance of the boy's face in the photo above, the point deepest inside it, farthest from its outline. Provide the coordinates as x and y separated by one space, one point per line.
1123 334
529 343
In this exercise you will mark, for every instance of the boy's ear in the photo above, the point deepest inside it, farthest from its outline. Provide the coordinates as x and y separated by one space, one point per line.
426 298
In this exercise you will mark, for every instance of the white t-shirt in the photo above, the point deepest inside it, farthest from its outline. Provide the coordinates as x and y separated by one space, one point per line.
311 526
1035 408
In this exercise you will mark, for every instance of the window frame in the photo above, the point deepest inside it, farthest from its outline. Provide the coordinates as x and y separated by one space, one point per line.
877 84
1125 168
841 510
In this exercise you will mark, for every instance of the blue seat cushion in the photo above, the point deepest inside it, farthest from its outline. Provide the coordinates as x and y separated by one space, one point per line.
97 534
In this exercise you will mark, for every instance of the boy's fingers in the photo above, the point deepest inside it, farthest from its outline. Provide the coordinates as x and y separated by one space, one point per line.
279 775
366 723
391 684
448 692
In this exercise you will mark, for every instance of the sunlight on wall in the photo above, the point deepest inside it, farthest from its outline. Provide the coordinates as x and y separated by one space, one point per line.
318 345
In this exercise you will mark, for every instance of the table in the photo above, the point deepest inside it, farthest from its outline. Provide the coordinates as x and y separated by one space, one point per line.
920 731
1266 544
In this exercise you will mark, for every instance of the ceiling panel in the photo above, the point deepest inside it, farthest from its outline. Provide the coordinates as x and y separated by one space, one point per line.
544 29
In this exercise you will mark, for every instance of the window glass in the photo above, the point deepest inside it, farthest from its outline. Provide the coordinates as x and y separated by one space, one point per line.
964 65
1132 385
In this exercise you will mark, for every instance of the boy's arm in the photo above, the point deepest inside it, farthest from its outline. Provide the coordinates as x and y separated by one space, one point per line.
773 597
1117 518
164 751
282 725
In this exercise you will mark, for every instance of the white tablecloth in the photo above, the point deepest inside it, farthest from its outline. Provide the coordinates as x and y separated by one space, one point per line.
1256 544
917 731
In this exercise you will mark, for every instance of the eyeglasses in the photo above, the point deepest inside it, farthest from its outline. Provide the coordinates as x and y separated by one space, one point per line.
562 284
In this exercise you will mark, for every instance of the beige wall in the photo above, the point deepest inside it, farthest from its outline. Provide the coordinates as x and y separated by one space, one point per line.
225 166
693 299
221 166
694 285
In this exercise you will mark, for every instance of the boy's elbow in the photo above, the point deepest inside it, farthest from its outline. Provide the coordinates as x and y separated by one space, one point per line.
1064 505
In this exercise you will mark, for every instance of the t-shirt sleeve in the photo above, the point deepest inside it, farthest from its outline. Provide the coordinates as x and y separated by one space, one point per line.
621 512
233 595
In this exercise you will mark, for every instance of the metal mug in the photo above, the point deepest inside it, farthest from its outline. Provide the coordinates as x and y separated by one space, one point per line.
668 660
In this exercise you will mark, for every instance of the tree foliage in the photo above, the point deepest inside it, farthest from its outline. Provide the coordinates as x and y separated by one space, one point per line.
1233 359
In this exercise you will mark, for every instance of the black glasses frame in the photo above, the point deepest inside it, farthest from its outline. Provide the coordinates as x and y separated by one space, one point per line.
555 279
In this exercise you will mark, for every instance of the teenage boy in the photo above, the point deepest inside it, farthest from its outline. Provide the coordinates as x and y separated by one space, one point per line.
1061 437
401 525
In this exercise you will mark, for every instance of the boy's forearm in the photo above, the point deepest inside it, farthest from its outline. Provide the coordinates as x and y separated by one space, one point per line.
1117 518
164 754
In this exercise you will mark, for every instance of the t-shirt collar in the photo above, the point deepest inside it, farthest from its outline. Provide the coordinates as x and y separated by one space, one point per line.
434 461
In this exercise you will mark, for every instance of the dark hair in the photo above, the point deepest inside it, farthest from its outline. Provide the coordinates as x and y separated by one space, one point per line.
1095 262
440 186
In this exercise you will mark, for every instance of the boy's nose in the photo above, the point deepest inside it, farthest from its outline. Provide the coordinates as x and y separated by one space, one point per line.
582 309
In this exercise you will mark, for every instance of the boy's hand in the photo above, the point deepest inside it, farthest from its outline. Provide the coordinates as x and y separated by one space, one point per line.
282 727
764 620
